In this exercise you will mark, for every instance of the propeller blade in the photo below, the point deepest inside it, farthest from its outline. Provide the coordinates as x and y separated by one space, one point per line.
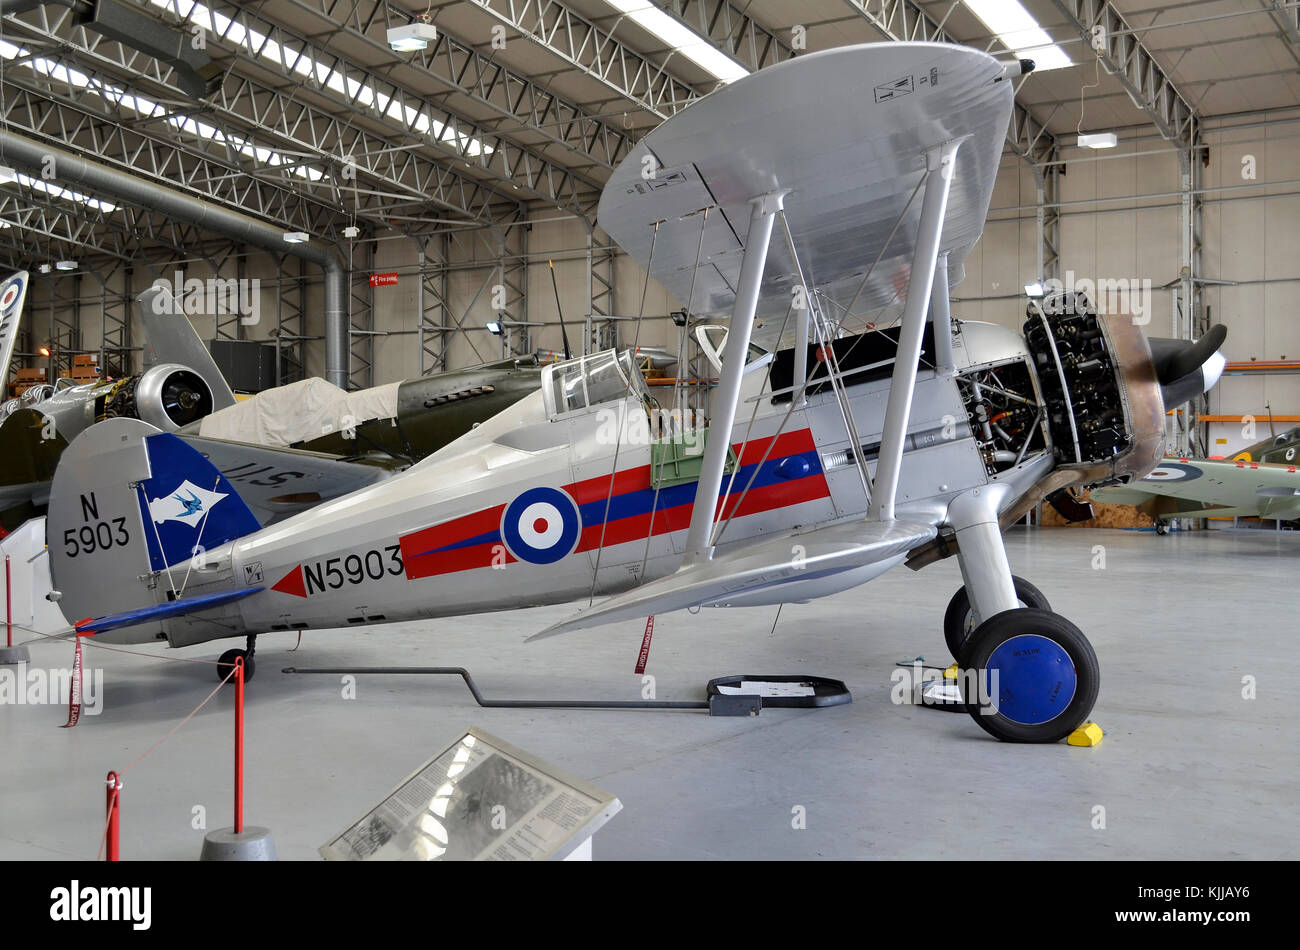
1185 369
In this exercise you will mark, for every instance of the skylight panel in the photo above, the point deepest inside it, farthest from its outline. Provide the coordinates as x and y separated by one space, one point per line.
1019 31
683 40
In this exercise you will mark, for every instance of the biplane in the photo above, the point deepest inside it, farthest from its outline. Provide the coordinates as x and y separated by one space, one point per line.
855 425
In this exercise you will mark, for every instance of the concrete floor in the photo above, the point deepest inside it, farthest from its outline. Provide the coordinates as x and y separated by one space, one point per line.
1188 769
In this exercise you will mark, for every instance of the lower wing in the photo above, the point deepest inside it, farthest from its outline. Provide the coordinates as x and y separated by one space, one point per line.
787 568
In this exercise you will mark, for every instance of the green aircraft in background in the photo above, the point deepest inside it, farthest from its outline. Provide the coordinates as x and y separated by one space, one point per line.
1260 481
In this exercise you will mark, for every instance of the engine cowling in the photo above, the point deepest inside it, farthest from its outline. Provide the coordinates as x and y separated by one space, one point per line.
168 396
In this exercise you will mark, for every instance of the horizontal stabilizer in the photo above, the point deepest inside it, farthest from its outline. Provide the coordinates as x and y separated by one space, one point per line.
737 574
277 482
175 608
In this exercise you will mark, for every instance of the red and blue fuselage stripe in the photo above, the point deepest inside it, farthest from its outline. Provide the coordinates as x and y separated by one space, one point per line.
791 474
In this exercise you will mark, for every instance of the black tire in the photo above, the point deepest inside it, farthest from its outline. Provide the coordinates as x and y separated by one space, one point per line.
1161 527
1034 688
227 663
959 618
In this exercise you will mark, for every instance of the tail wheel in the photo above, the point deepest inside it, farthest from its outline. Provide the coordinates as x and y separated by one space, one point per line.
960 618
1038 676
226 665
1162 527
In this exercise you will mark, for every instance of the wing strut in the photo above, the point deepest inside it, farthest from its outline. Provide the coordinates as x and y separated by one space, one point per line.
762 215
940 163
941 317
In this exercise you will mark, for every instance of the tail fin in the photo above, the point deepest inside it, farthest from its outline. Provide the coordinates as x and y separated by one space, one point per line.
128 503
170 338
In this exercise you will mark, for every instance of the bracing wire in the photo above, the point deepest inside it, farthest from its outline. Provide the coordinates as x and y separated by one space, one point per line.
618 445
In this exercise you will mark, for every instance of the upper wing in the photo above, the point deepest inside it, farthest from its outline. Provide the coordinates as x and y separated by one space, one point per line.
1254 487
766 571
170 338
276 483
849 179
12 294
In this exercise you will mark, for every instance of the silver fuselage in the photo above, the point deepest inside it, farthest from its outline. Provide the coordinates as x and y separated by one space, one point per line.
430 542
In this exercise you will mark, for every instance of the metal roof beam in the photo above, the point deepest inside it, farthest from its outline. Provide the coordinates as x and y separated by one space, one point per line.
511 96
1287 19
585 47
276 120
1108 34
732 31
28 220
73 123
260 42
124 232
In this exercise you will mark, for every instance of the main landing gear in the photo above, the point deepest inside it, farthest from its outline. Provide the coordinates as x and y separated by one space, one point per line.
227 661
1033 674
960 617
1027 674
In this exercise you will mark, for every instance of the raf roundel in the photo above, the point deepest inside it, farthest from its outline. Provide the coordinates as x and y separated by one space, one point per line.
541 526
1173 472
10 295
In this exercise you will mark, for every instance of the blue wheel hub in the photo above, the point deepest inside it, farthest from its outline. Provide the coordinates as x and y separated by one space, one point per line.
1031 679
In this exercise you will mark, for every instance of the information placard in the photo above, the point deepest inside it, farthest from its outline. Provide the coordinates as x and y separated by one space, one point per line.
481 799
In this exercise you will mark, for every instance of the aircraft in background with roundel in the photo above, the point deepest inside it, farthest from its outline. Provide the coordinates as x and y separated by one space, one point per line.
1261 481
836 448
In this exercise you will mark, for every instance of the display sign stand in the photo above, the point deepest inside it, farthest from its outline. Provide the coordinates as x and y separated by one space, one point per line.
480 799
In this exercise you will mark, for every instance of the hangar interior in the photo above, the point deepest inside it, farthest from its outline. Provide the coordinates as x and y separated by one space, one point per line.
403 212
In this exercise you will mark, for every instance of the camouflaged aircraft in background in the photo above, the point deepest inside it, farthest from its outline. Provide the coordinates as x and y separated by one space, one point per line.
1260 481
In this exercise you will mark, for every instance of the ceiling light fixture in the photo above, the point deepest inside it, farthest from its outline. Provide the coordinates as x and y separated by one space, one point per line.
412 37
1098 140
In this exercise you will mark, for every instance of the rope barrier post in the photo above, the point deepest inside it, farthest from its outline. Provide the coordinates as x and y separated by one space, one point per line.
10 654
113 805
239 745
238 843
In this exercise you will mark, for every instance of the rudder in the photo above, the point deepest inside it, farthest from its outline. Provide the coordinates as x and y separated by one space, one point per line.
127 504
